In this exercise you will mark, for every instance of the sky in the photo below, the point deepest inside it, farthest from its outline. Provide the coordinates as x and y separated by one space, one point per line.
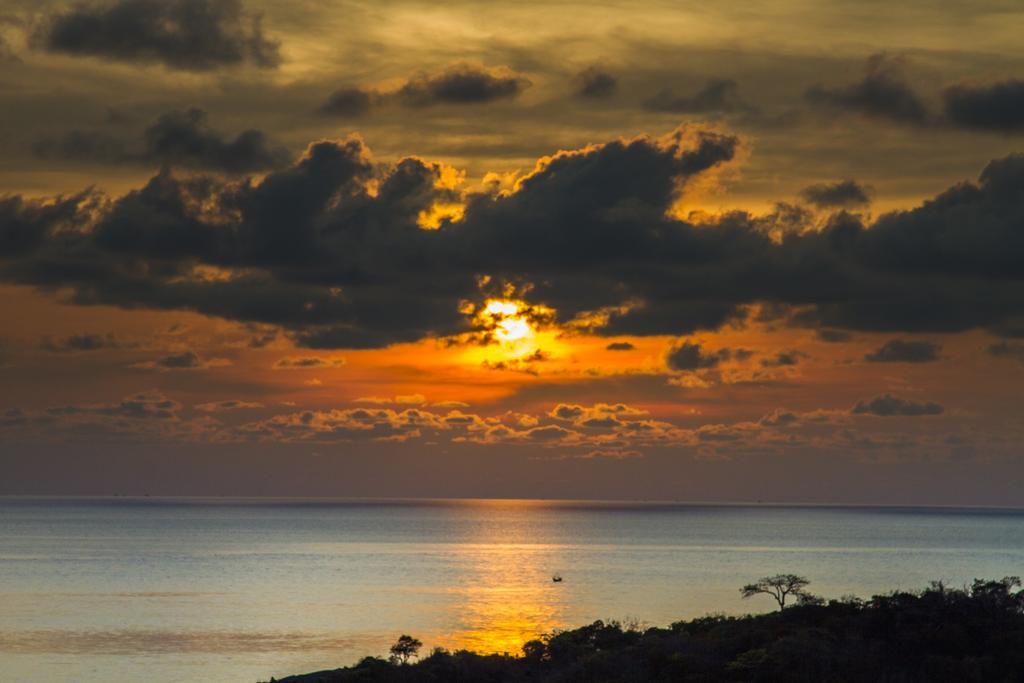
748 252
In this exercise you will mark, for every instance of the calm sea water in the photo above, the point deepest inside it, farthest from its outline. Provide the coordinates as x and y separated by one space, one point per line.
229 590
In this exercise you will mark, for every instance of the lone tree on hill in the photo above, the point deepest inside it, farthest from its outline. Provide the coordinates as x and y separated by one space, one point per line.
780 587
404 649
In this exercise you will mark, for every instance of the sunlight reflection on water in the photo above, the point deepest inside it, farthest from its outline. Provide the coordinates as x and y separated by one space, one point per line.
168 590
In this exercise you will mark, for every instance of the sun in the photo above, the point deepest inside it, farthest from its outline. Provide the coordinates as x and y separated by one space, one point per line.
510 326
511 334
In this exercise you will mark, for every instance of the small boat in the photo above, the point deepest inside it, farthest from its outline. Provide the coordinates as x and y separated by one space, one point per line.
557 578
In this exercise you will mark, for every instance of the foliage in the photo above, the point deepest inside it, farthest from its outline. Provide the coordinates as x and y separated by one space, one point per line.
780 587
404 649
936 635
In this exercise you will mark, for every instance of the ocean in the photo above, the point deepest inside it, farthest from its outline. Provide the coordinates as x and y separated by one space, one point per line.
129 589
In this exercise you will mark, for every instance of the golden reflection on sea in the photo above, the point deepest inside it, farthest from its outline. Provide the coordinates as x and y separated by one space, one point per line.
507 597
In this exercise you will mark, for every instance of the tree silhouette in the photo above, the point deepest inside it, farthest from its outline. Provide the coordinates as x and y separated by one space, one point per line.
974 633
779 587
404 649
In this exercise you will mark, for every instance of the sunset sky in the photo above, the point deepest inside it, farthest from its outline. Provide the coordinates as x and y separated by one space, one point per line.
758 251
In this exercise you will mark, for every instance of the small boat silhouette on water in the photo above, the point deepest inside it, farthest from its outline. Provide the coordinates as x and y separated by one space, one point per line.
557 578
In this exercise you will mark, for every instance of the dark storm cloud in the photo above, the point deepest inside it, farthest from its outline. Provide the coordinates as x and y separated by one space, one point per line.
180 138
461 84
620 346
888 405
882 93
594 82
717 95
841 194
184 138
25 224
995 107
193 35
330 249
902 351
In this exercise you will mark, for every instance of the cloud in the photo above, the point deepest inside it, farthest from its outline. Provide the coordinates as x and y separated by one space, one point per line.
180 138
261 339
461 83
779 418
179 361
620 346
307 363
598 414
192 35
833 336
186 360
378 424
1007 350
83 145
997 107
882 93
80 343
783 359
717 95
184 138
888 405
689 356
328 248
603 453
841 194
901 351
406 399
349 102
566 431
595 83
449 404
6 53
221 406
525 364
564 411
143 417
142 406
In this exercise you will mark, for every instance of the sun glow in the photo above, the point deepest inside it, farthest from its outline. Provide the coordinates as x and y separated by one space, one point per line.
511 334
509 326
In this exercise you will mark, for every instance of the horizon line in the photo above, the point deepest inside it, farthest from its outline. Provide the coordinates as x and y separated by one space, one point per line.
426 500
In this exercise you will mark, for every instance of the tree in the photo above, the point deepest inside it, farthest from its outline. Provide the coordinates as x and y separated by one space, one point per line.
780 587
405 648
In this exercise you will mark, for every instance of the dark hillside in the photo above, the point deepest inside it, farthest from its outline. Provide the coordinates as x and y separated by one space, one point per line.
938 634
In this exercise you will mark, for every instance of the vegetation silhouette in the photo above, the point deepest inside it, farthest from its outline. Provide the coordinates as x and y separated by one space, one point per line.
780 587
404 649
939 634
